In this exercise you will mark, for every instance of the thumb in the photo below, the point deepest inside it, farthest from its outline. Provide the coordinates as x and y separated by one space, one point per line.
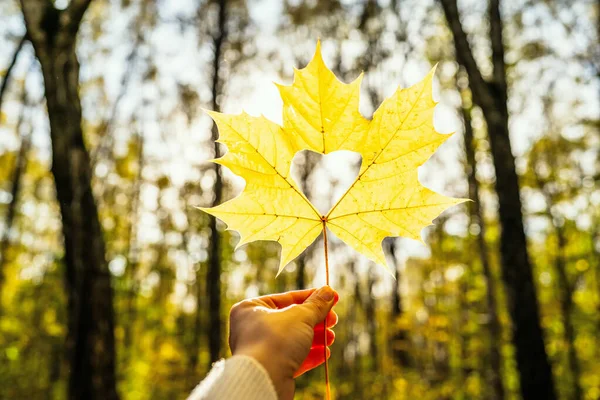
318 304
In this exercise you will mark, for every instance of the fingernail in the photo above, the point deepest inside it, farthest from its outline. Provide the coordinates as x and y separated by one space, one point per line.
326 293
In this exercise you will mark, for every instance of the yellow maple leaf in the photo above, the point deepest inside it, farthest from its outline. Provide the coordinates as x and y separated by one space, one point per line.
320 111
271 207
321 114
386 199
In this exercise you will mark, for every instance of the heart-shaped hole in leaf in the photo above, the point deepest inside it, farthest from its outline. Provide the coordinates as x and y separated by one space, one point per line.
324 178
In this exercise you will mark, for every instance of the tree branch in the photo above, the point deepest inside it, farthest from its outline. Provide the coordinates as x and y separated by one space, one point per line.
464 56
499 66
17 177
72 16
33 14
11 65
105 132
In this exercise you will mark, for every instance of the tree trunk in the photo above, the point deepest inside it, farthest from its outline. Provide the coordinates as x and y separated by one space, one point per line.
370 307
534 368
399 334
301 261
565 291
301 274
357 304
54 369
17 176
476 217
195 350
440 349
133 256
213 278
90 337
196 331
566 306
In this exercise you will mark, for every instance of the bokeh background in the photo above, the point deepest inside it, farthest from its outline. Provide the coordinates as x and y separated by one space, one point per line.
133 304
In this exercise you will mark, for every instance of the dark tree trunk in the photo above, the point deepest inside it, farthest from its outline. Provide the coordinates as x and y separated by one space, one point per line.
399 333
196 336
90 337
17 176
54 369
566 306
534 368
370 305
476 217
464 337
565 290
195 350
440 349
133 249
213 278
357 304
301 274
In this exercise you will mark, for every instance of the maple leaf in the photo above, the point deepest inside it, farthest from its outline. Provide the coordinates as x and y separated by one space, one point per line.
271 207
320 113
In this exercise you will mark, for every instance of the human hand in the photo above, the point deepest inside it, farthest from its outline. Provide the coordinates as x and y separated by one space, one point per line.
284 332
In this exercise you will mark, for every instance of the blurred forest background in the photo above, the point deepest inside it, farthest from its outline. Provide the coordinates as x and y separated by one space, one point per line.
112 285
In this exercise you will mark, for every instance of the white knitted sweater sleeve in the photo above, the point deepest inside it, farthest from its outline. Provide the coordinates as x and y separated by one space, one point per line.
237 378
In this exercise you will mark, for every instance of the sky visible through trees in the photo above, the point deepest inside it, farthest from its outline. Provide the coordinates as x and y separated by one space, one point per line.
131 146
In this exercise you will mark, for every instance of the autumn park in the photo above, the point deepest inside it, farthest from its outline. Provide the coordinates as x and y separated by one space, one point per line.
300 199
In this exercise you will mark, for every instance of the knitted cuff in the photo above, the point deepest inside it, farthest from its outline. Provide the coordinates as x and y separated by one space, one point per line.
239 378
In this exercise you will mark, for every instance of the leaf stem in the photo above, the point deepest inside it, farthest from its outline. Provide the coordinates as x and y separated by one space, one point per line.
327 389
